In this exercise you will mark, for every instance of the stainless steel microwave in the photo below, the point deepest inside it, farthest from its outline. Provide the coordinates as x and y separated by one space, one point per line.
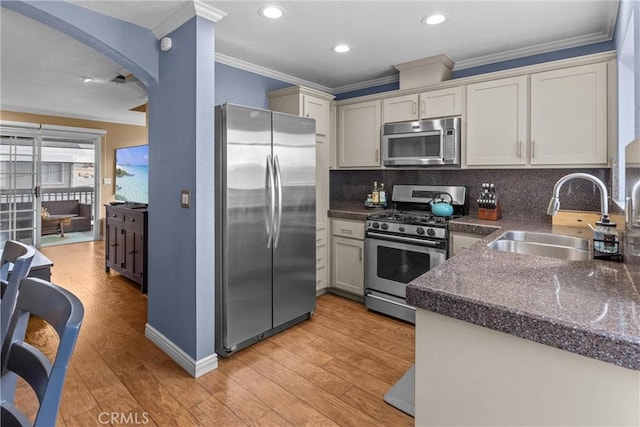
434 142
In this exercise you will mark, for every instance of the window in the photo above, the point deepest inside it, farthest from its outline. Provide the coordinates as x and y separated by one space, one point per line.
53 174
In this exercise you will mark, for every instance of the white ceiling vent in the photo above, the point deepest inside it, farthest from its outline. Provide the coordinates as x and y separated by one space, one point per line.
425 72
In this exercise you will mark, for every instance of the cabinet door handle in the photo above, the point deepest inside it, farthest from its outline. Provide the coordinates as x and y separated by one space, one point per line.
424 108
519 148
414 108
360 256
533 149
132 252
113 245
377 155
132 220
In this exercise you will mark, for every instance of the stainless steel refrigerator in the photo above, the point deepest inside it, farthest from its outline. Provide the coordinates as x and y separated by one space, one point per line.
265 224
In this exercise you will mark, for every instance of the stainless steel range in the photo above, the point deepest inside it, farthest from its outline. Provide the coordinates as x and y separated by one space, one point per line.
406 242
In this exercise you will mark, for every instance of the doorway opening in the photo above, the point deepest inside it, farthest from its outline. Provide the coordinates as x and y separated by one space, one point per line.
50 184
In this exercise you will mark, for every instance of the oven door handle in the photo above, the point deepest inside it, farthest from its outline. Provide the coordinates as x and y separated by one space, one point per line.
369 295
403 239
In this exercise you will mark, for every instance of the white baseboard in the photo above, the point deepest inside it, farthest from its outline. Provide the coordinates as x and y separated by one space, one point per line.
195 368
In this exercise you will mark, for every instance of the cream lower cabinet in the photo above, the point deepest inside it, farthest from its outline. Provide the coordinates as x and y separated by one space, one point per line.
459 241
497 122
569 116
347 256
322 266
359 135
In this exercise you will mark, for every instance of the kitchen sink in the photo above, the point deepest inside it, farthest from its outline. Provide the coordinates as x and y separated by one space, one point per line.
549 245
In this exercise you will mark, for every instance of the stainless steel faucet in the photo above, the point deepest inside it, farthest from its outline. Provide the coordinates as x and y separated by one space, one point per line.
554 204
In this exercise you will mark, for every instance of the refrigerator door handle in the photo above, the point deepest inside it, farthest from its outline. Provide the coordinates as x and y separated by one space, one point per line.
279 187
271 183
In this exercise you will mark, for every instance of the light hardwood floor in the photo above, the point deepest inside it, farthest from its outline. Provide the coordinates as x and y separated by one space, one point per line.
331 370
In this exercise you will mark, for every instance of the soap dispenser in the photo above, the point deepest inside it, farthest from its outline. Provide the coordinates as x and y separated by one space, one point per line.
606 242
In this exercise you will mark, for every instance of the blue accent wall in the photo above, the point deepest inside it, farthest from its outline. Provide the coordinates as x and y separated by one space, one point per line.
536 59
181 157
243 87
368 91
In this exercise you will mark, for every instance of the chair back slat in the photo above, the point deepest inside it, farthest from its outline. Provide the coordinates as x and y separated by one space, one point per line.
19 256
64 312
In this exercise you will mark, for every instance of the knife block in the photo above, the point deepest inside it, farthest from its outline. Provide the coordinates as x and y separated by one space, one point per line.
490 214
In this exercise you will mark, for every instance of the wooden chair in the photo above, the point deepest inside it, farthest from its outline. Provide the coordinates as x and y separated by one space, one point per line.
64 312
18 256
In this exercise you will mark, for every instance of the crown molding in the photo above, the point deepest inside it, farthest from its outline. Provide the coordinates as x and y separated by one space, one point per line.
185 13
532 50
267 72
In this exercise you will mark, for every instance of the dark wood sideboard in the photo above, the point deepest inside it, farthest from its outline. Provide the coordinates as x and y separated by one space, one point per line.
126 242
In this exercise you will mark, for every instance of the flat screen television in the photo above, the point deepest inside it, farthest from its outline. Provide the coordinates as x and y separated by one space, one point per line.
132 174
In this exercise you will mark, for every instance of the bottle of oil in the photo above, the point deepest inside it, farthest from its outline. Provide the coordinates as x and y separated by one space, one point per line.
375 194
382 195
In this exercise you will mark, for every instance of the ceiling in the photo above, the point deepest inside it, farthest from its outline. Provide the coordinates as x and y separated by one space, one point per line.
41 68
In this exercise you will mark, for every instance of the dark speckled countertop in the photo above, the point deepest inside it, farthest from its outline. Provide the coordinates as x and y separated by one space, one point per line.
351 210
590 308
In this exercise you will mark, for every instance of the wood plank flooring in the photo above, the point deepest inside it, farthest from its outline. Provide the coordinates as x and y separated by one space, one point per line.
331 370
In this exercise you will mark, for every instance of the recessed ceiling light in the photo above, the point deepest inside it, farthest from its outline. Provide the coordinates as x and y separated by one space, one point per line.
272 12
434 19
86 79
341 48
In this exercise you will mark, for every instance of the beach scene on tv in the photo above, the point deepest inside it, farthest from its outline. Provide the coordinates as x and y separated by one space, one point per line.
132 174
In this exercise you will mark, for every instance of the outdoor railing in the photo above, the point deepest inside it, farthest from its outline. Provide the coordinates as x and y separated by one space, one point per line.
82 194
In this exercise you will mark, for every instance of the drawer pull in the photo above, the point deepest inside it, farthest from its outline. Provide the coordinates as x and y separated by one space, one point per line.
318 259
132 220
346 231
132 252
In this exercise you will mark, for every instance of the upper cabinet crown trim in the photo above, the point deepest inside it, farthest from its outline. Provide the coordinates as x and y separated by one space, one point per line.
513 72
302 90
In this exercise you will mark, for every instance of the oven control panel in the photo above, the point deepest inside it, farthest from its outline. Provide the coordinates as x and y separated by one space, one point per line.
420 231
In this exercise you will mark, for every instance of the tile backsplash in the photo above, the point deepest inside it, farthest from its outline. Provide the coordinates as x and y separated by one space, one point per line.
525 193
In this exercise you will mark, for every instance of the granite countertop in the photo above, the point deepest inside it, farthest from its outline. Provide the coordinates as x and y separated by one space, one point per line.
351 210
590 308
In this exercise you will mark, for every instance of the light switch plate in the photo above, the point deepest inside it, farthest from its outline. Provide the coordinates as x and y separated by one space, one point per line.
185 196
107 181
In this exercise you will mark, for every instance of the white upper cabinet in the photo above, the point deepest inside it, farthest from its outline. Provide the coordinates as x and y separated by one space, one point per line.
317 109
442 103
426 105
569 116
305 102
359 135
497 122
400 108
